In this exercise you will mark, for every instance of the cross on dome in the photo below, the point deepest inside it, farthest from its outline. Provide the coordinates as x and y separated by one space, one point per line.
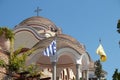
38 10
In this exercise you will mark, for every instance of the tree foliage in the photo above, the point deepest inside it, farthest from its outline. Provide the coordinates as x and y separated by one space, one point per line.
118 26
98 69
7 32
16 60
116 75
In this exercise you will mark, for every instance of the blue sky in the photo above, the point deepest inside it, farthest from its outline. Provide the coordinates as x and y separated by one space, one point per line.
84 20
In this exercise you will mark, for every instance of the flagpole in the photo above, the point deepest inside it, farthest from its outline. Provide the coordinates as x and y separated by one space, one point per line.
56 41
54 63
100 40
119 44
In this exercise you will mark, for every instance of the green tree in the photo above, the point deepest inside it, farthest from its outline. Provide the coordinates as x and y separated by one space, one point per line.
16 62
98 69
118 29
116 75
6 35
118 26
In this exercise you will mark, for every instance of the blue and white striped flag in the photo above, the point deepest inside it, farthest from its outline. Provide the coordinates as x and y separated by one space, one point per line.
51 49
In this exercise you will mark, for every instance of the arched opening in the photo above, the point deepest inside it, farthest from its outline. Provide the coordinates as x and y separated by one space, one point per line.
66 74
66 63
85 66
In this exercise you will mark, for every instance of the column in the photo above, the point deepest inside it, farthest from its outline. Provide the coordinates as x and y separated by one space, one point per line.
87 74
54 71
77 71
83 75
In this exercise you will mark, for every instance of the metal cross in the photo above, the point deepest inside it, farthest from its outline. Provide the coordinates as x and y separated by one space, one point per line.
38 10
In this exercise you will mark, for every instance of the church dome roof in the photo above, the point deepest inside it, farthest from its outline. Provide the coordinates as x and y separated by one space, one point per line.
38 21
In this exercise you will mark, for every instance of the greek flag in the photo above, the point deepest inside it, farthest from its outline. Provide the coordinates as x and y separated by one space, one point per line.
51 49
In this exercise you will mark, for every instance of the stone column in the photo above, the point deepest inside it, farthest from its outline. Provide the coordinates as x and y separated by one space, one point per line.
77 71
53 70
83 75
87 74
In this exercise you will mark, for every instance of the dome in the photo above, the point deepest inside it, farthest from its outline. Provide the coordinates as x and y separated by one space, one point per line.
38 22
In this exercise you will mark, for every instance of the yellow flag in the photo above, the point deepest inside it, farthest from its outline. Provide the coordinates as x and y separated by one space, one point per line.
100 51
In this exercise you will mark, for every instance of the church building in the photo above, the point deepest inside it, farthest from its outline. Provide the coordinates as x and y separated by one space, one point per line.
58 56
71 60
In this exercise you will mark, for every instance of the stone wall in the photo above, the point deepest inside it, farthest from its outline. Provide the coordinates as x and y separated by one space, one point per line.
3 70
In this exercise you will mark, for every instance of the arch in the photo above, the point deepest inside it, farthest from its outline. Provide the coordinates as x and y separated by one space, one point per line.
75 56
29 29
85 61
70 57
